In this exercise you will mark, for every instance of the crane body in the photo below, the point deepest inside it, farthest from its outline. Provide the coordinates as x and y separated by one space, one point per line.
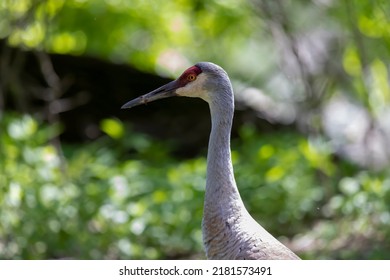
229 231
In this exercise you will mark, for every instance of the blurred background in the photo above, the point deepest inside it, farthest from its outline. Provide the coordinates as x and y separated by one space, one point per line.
81 179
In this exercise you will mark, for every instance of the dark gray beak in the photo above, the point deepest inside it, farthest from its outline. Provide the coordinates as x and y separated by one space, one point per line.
165 91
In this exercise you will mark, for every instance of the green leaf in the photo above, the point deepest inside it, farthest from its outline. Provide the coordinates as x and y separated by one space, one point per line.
113 128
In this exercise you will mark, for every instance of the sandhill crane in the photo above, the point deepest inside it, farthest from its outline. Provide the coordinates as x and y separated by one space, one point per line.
229 231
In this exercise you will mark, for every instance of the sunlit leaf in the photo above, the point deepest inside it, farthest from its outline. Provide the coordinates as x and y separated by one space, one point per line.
351 62
22 129
112 127
275 174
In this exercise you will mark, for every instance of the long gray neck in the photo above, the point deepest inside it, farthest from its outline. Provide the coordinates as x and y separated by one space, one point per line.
220 175
223 203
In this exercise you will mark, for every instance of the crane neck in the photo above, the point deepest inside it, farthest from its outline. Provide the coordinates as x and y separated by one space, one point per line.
223 204
219 164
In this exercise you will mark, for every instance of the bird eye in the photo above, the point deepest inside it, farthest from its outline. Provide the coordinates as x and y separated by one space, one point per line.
191 77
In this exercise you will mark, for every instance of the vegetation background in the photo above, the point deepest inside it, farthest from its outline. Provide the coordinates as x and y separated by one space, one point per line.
79 179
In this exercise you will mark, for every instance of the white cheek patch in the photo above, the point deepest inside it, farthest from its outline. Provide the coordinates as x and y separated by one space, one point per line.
195 88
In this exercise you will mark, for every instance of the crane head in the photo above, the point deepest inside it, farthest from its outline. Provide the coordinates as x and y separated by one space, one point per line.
194 82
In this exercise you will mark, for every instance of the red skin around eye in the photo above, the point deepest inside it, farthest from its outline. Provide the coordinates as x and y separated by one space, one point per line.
182 80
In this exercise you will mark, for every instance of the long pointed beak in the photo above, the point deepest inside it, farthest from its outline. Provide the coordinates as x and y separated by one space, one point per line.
165 91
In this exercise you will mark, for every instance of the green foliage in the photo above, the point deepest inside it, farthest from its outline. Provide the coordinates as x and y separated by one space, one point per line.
142 32
125 197
96 202
356 219
280 172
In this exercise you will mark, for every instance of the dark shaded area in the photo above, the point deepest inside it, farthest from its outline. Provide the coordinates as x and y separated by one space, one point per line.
91 89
